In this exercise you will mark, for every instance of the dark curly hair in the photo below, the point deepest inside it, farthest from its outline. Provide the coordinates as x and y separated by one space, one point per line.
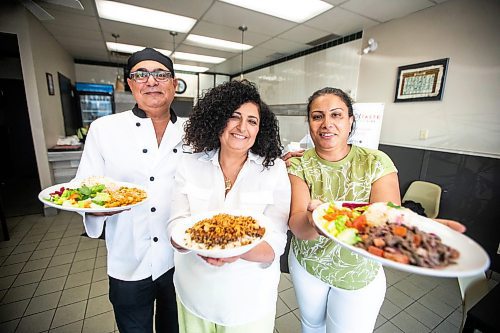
339 93
212 111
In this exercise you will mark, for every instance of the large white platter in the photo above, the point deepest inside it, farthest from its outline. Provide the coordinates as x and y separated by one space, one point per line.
179 231
44 194
473 258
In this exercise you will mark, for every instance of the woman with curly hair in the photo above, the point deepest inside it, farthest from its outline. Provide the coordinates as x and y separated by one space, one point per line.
235 165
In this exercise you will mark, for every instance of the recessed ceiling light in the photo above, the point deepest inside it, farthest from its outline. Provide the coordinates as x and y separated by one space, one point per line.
214 43
297 11
127 48
143 16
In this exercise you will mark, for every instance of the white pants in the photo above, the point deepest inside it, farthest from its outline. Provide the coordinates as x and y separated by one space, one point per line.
324 308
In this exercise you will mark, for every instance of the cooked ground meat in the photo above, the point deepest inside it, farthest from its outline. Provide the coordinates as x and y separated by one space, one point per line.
224 231
412 246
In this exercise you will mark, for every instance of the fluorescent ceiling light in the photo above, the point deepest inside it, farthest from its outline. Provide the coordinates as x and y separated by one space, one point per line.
297 11
123 48
189 68
214 43
127 48
143 16
198 57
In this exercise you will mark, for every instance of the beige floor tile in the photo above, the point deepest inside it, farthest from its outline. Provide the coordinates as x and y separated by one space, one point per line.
43 303
82 266
52 235
69 314
33 265
284 283
380 321
408 324
102 251
28 277
75 327
100 274
101 261
70 240
74 295
43 253
23 248
102 323
288 324
73 232
11 269
86 254
9 326
97 305
17 258
39 322
78 279
62 259
6 282
424 315
389 309
408 288
281 308
397 297
50 286
65 249
47 244
436 305
388 327
56 271
13 310
99 288
288 296
88 245
19 293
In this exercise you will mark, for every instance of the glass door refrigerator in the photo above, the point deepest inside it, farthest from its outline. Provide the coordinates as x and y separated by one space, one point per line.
95 100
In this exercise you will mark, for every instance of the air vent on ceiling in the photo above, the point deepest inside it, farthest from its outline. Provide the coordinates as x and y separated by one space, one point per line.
276 55
323 39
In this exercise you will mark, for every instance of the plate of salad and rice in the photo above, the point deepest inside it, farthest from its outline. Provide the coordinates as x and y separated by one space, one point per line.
399 238
93 195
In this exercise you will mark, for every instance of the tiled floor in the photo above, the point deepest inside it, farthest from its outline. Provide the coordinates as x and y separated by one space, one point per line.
54 280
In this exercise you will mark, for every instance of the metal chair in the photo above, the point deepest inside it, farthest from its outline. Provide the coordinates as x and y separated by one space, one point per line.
427 194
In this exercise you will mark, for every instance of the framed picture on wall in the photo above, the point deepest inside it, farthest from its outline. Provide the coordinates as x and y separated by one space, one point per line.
421 82
50 83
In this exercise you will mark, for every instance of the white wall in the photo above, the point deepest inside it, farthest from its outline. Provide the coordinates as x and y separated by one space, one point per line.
39 54
467 119
293 81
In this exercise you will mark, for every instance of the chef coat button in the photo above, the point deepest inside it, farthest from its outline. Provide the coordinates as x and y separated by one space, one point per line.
137 124
144 150
175 150
151 178
153 209
155 239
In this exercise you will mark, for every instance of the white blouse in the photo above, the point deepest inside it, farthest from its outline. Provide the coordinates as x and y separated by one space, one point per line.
124 147
240 292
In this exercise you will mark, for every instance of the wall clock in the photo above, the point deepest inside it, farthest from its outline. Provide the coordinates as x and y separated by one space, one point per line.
181 86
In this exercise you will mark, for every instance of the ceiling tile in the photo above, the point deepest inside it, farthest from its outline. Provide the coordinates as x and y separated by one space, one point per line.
385 10
303 34
340 22
234 16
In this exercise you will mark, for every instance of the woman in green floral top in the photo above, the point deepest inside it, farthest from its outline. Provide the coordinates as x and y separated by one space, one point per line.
337 290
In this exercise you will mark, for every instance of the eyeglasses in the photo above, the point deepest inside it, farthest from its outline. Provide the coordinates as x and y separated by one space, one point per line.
143 76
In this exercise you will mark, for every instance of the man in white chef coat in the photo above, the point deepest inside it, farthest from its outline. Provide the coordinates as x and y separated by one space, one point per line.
140 146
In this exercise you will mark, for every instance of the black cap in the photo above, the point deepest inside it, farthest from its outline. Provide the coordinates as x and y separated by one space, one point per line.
150 54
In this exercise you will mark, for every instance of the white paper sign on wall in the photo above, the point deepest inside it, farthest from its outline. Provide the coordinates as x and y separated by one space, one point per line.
368 124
